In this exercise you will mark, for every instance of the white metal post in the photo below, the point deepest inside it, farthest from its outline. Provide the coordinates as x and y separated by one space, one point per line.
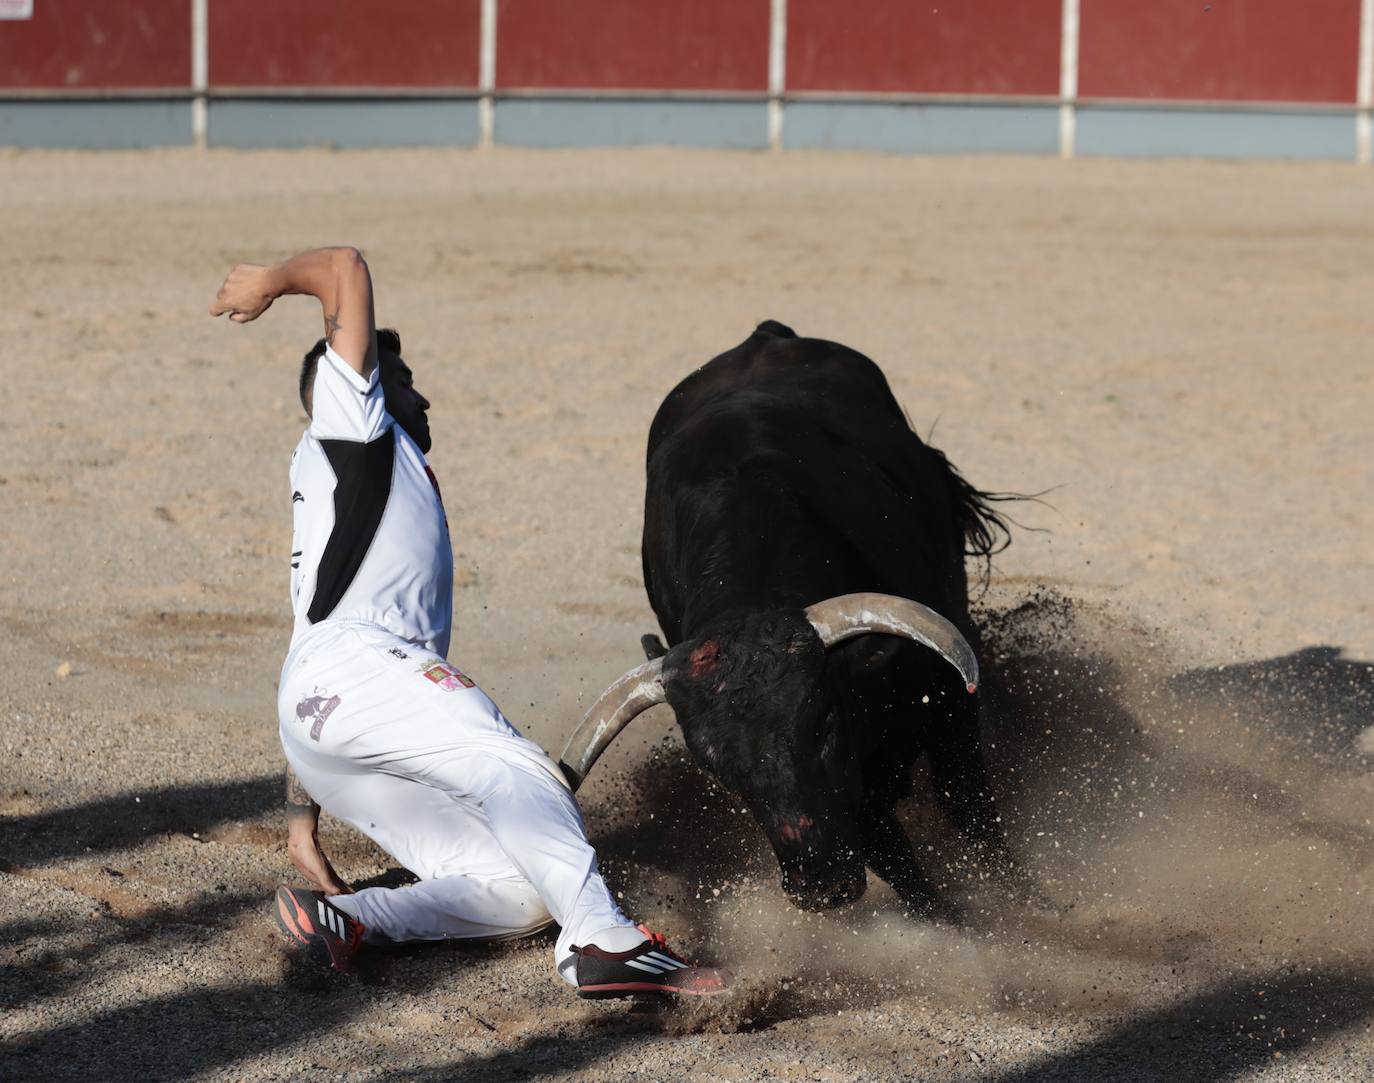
486 74
1068 79
1364 86
200 70
777 70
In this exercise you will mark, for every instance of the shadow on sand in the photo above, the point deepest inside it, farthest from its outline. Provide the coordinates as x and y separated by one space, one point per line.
128 819
1221 1034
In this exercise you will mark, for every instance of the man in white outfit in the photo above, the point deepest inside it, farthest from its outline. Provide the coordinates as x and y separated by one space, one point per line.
377 726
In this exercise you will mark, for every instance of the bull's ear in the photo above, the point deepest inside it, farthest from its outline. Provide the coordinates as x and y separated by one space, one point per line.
652 646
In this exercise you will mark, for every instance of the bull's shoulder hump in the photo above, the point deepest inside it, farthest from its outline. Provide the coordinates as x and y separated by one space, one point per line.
774 362
779 366
779 363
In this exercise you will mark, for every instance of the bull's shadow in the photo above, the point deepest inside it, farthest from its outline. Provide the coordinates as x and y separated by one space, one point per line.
1318 703
1313 711
1080 714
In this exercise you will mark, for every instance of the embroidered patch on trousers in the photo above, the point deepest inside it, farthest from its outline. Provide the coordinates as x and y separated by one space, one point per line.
316 709
447 676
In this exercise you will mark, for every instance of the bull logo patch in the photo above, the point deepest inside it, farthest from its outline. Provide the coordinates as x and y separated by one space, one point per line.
316 709
447 677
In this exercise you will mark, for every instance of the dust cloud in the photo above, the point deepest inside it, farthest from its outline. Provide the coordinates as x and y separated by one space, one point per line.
1195 829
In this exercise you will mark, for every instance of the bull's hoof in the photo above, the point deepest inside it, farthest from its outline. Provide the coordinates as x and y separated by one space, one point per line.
830 897
935 910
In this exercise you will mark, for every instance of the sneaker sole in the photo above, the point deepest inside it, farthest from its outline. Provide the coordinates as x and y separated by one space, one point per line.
611 990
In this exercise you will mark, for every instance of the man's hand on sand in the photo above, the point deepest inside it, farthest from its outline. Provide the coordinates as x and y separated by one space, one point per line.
246 294
309 859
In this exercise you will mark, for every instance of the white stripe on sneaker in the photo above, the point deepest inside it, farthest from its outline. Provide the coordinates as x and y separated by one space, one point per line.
649 967
331 920
666 960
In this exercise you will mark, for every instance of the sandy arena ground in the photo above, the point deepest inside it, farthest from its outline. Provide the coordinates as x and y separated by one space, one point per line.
1180 688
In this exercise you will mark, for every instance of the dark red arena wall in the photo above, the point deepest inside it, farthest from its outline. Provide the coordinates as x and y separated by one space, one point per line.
1301 51
344 43
935 47
633 44
89 44
1225 50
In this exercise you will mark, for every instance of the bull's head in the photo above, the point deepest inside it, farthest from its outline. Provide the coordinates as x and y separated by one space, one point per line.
749 700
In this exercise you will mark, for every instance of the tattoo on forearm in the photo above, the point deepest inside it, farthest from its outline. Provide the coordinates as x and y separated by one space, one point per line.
331 326
298 800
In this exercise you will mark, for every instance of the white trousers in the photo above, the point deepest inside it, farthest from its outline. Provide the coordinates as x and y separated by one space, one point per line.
391 739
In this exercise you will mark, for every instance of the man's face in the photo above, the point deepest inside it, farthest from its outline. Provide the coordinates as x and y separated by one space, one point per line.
403 402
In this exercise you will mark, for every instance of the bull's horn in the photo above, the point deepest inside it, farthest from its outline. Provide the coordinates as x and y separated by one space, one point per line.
637 691
838 619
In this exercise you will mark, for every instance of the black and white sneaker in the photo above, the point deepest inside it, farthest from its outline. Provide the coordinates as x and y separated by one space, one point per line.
650 967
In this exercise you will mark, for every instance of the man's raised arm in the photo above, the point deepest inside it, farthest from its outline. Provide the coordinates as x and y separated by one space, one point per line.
337 277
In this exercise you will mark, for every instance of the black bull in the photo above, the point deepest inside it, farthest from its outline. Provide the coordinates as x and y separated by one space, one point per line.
781 474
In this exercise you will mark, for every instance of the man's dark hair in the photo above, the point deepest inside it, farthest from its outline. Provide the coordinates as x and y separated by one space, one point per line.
387 339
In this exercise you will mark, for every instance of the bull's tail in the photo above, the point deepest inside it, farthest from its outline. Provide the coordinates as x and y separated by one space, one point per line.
986 531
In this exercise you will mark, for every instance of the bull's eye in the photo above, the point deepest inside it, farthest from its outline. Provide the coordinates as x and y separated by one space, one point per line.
830 735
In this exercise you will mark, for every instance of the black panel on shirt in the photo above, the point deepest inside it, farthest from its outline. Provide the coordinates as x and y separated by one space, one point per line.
361 491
